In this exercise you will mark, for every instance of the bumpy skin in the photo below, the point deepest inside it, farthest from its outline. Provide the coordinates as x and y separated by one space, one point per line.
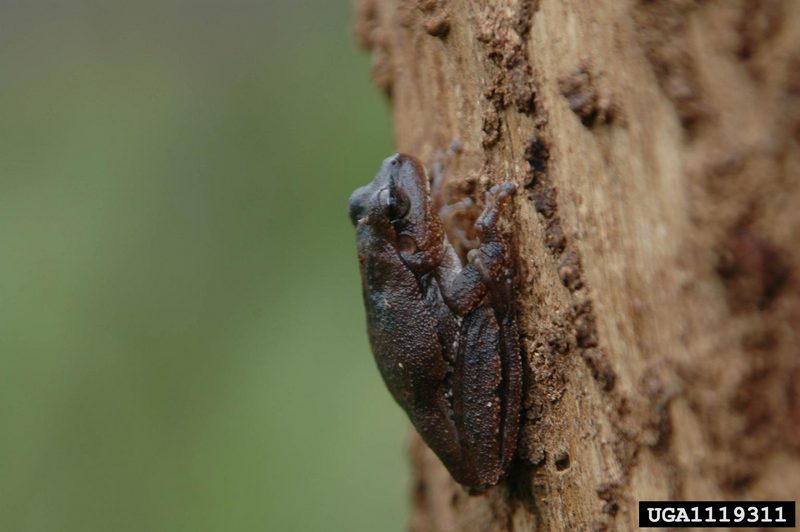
443 335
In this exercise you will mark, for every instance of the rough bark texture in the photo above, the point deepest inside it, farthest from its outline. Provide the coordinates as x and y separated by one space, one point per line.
657 238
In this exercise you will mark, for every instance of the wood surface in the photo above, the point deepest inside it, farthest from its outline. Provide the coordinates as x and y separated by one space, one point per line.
656 233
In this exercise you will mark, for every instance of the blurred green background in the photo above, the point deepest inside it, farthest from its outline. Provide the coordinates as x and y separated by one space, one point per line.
182 341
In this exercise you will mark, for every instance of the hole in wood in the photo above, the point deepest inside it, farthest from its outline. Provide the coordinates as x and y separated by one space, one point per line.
562 460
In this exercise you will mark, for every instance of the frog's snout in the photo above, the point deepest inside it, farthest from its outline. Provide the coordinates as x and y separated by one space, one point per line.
358 204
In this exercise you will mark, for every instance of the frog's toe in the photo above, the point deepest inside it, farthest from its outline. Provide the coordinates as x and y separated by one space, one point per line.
500 192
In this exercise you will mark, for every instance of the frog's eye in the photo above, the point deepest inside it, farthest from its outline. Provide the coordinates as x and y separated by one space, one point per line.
395 204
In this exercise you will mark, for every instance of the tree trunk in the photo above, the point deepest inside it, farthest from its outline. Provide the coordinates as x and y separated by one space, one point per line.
656 237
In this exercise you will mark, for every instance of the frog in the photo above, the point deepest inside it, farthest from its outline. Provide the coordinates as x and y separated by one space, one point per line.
442 329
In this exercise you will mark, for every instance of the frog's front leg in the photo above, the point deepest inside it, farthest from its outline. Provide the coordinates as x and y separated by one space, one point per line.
487 376
487 265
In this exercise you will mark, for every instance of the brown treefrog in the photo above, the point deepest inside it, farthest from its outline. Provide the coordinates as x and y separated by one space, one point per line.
443 333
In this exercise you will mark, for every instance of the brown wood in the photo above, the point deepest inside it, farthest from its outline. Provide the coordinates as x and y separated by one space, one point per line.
657 238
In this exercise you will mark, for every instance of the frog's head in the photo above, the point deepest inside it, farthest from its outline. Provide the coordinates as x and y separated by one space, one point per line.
396 206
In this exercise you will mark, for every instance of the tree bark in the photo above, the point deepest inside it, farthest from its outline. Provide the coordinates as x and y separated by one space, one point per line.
656 237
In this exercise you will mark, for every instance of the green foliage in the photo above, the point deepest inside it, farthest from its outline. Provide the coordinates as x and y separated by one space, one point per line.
182 340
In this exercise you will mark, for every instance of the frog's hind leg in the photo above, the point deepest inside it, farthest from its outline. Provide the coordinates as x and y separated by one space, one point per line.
476 384
491 258
511 355
486 395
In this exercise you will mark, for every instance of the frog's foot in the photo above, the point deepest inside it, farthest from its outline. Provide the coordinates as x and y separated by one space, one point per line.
497 200
499 194
458 219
